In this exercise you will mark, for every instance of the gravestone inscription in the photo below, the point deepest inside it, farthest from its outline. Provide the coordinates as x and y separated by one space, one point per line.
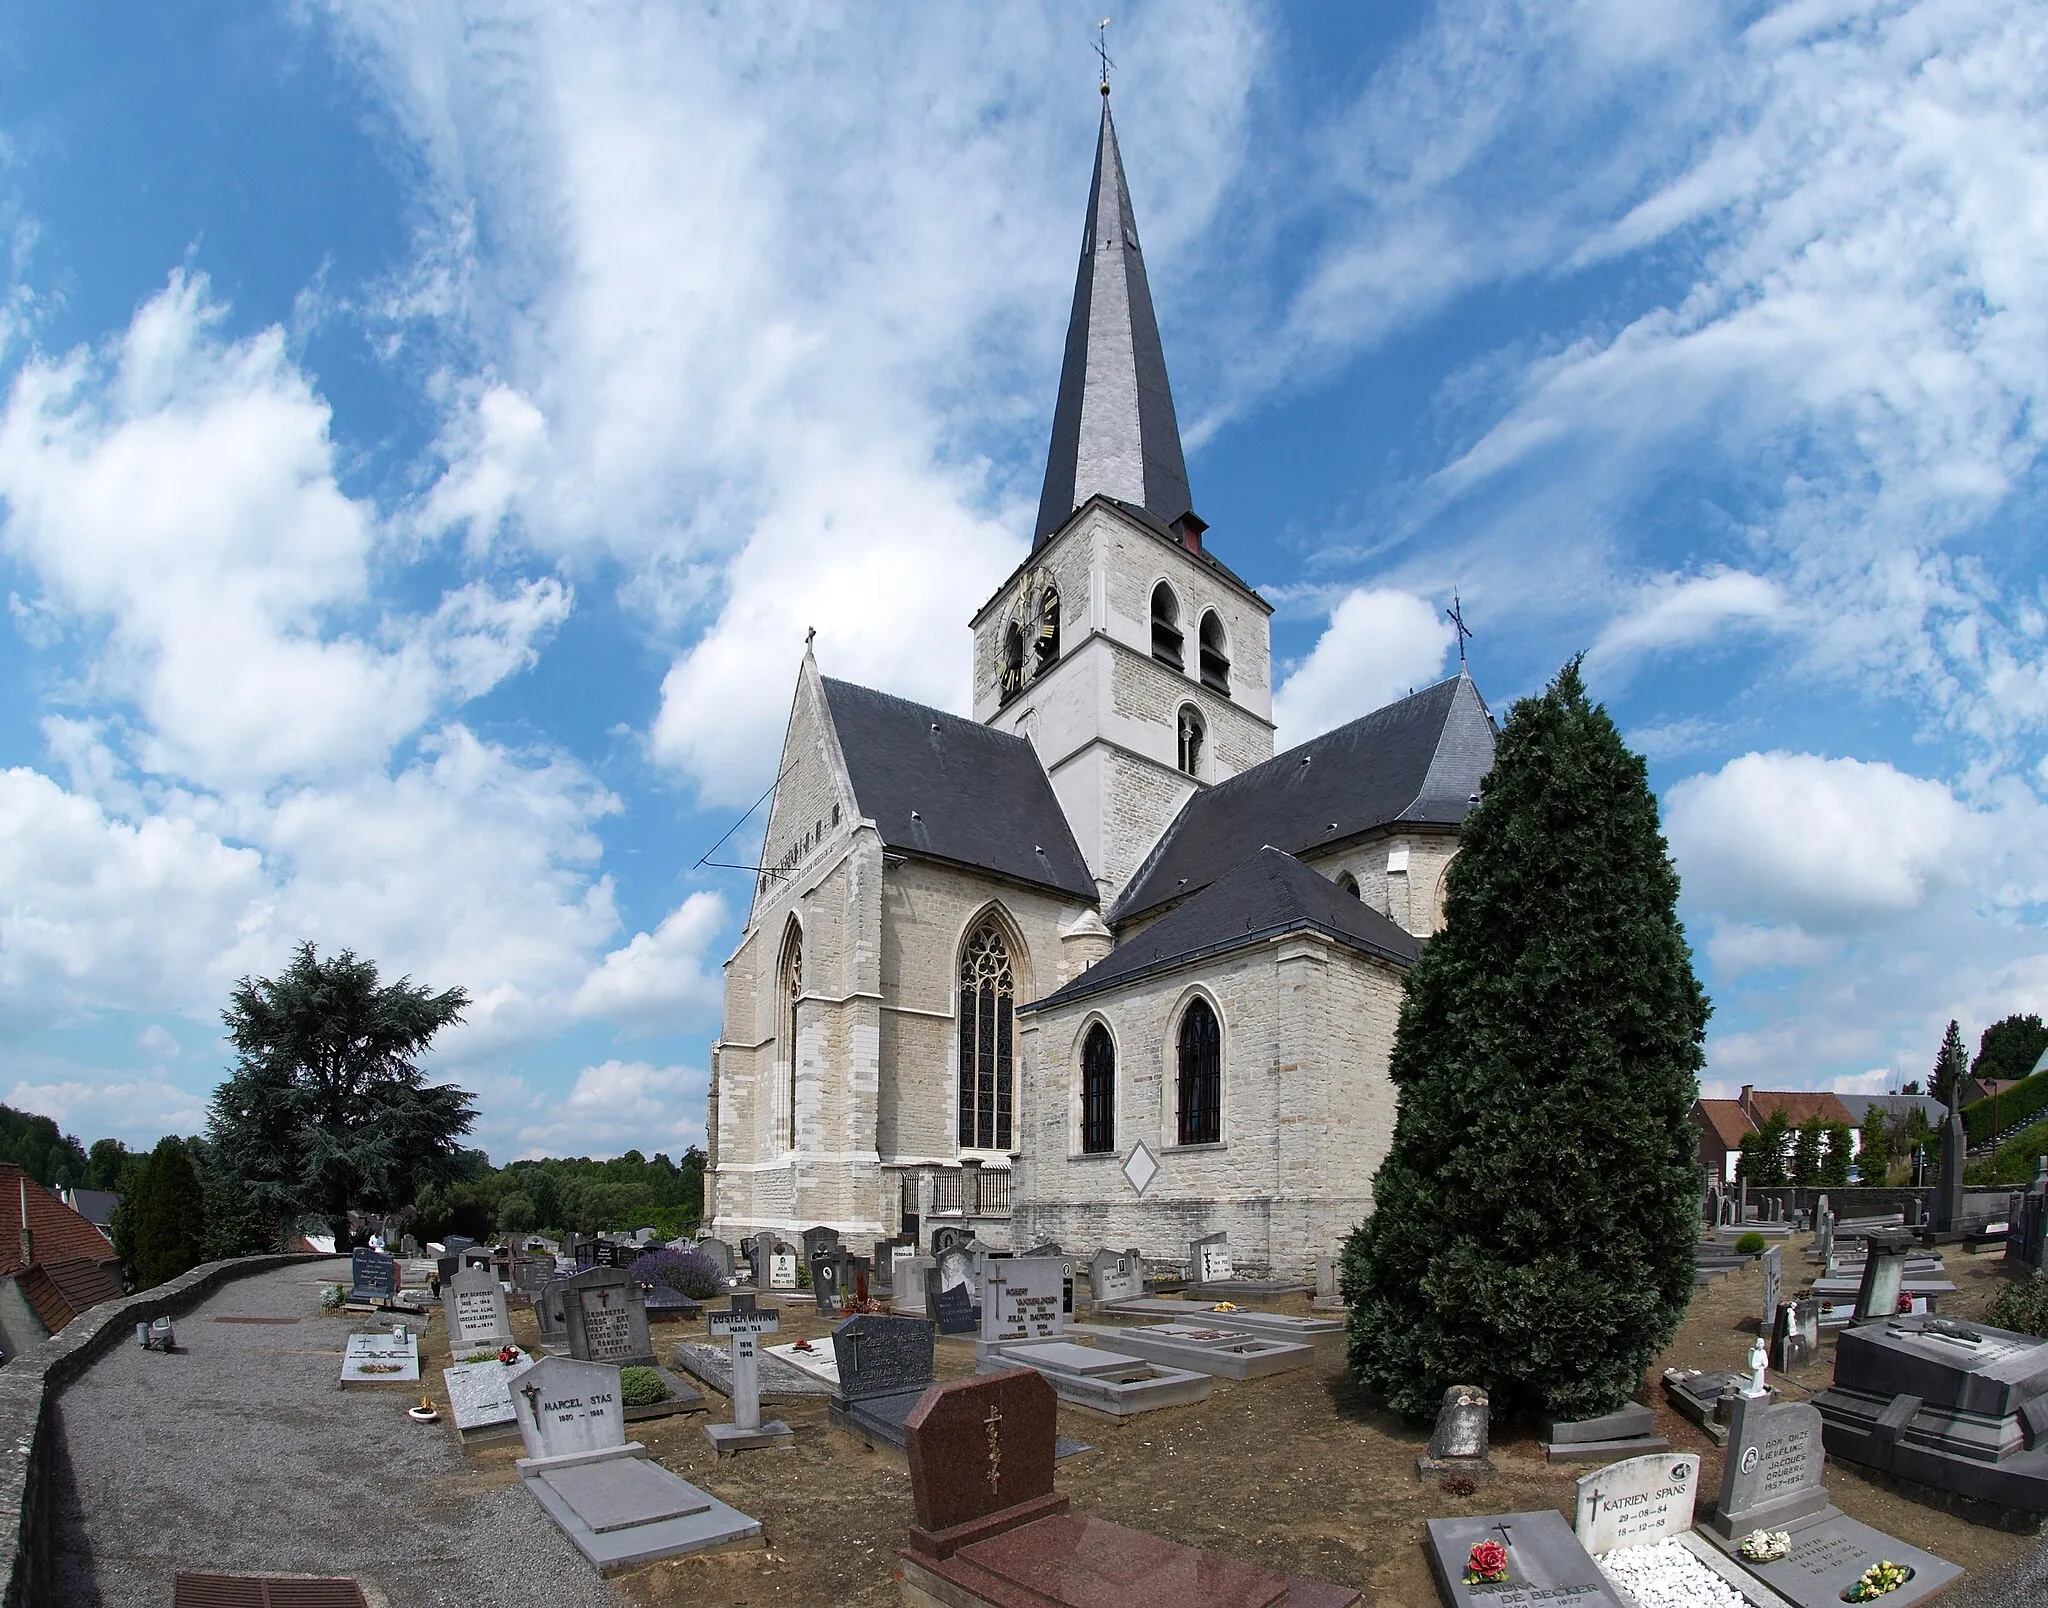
1772 1473
1636 1502
1209 1259
373 1277
607 1319
1021 1299
473 1303
1115 1276
566 1408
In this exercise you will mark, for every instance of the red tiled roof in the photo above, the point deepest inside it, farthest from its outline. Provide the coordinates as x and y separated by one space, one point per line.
59 1233
1724 1119
84 1284
44 1298
1798 1105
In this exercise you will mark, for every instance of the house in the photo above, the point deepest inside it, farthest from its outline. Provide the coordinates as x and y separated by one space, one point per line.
1975 1089
1722 1123
96 1206
54 1264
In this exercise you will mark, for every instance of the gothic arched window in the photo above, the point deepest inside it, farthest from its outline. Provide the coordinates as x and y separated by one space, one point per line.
1215 654
987 1039
1200 1075
1098 1092
1348 883
792 991
1192 733
1166 626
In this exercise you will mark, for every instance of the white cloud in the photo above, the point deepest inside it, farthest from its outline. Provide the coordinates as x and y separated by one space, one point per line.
156 1042
136 1110
1673 612
660 982
620 1105
1826 844
1378 645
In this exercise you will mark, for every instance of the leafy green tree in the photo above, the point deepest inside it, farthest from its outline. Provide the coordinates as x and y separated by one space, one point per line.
327 1109
1834 1167
1773 1152
2009 1048
1874 1159
170 1215
34 1144
1951 1066
1537 1213
103 1163
1806 1152
516 1214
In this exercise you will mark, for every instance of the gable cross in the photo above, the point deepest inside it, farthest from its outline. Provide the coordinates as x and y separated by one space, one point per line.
1102 50
1456 615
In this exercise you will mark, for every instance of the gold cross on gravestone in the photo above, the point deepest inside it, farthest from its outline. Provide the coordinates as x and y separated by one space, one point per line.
993 1425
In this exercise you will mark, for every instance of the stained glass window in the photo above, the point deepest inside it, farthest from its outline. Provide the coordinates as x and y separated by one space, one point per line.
1201 1075
1098 1092
987 1040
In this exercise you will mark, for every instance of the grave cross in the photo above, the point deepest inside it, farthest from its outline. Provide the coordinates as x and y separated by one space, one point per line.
993 1424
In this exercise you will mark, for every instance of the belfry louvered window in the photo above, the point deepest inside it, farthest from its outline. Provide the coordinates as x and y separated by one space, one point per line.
987 1040
1098 1092
1201 1075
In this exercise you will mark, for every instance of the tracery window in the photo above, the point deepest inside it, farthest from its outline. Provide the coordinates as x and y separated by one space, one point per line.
1200 1075
1166 626
792 991
1215 654
1192 733
987 1039
1098 1092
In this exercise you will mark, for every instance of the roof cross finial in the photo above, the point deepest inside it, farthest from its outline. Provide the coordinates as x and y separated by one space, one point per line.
1102 50
1456 615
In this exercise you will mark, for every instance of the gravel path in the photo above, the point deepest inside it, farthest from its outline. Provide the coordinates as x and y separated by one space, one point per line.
241 1452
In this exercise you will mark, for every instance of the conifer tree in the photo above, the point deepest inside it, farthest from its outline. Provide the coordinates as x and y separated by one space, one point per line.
1874 1158
1536 1215
170 1215
1951 1066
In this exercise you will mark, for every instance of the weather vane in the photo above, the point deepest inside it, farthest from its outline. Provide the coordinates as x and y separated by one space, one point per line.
1456 615
1102 50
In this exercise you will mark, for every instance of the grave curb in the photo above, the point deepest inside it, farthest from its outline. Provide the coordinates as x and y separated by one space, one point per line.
30 1383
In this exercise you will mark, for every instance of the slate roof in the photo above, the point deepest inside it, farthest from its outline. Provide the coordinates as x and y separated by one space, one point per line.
1113 426
1269 894
96 1206
952 789
1420 760
59 1233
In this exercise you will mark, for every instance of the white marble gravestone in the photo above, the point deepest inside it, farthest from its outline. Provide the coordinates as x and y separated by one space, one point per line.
1209 1259
570 1409
782 1270
381 1358
480 1393
1637 1502
473 1303
1021 1299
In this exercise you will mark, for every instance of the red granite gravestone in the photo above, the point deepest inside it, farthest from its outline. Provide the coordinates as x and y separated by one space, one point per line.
980 1454
991 1529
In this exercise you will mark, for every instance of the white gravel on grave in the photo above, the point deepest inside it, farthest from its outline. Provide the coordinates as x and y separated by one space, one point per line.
1665 1575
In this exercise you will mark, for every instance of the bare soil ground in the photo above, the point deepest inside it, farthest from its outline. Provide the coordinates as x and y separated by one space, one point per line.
1297 1471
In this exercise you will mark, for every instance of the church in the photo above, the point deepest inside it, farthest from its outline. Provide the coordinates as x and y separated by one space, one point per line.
1095 966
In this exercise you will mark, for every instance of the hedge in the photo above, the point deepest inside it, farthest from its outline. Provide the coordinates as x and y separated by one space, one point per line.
2022 1100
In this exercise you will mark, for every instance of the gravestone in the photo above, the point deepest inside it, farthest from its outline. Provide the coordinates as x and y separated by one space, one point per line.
981 1450
1541 1561
743 1326
782 1269
1636 1503
1115 1276
1209 1259
1774 1289
1948 1198
480 1394
383 1357
1050 1249
1459 1443
1630 1430
718 1251
831 1283
1796 1340
1884 1273
817 1241
373 1277
530 1274
949 1237
1772 1474
909 1295
607 1319
887 1253
1328 1297
409 1247
473 1304
952 1306
456 1244
902 1276
1021 1300
885 1365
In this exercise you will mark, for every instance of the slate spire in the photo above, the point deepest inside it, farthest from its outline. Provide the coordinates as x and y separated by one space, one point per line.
1113 429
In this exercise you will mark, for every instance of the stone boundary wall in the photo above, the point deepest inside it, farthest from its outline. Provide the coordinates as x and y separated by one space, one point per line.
30 1383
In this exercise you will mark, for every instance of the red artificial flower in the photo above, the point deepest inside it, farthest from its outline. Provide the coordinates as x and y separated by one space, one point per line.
1489 1560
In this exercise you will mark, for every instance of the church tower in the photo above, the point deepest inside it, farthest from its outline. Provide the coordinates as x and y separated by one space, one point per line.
1135 662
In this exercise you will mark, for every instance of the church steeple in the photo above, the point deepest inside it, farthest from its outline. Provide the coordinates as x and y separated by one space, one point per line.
1113 429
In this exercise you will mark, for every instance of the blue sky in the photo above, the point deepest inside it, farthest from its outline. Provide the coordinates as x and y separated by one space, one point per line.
429 429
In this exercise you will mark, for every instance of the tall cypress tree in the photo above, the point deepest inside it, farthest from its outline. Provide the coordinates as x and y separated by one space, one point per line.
1535 1219
170 1217
1951 1066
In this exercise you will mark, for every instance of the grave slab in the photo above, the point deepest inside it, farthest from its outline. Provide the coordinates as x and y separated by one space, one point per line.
1830 1552
712 1365
814 1360
1545 1563
1628 1431
381 1358
480 1394
1109 1382
1220 1353
1279 1325
627 1511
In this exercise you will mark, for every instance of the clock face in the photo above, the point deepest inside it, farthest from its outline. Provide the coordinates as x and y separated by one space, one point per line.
1034 627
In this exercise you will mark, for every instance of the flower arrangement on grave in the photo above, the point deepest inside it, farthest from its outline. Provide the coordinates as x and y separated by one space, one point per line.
1765 1546
1225 1306
1487 1565
803 1345
508 1355
331 1296
1877 1580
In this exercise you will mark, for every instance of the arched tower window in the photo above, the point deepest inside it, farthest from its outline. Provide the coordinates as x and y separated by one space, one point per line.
1200 1075
1098 1092
1348 883
1215 654
792 991
987 1039
1012 678
1192 734
1166 626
